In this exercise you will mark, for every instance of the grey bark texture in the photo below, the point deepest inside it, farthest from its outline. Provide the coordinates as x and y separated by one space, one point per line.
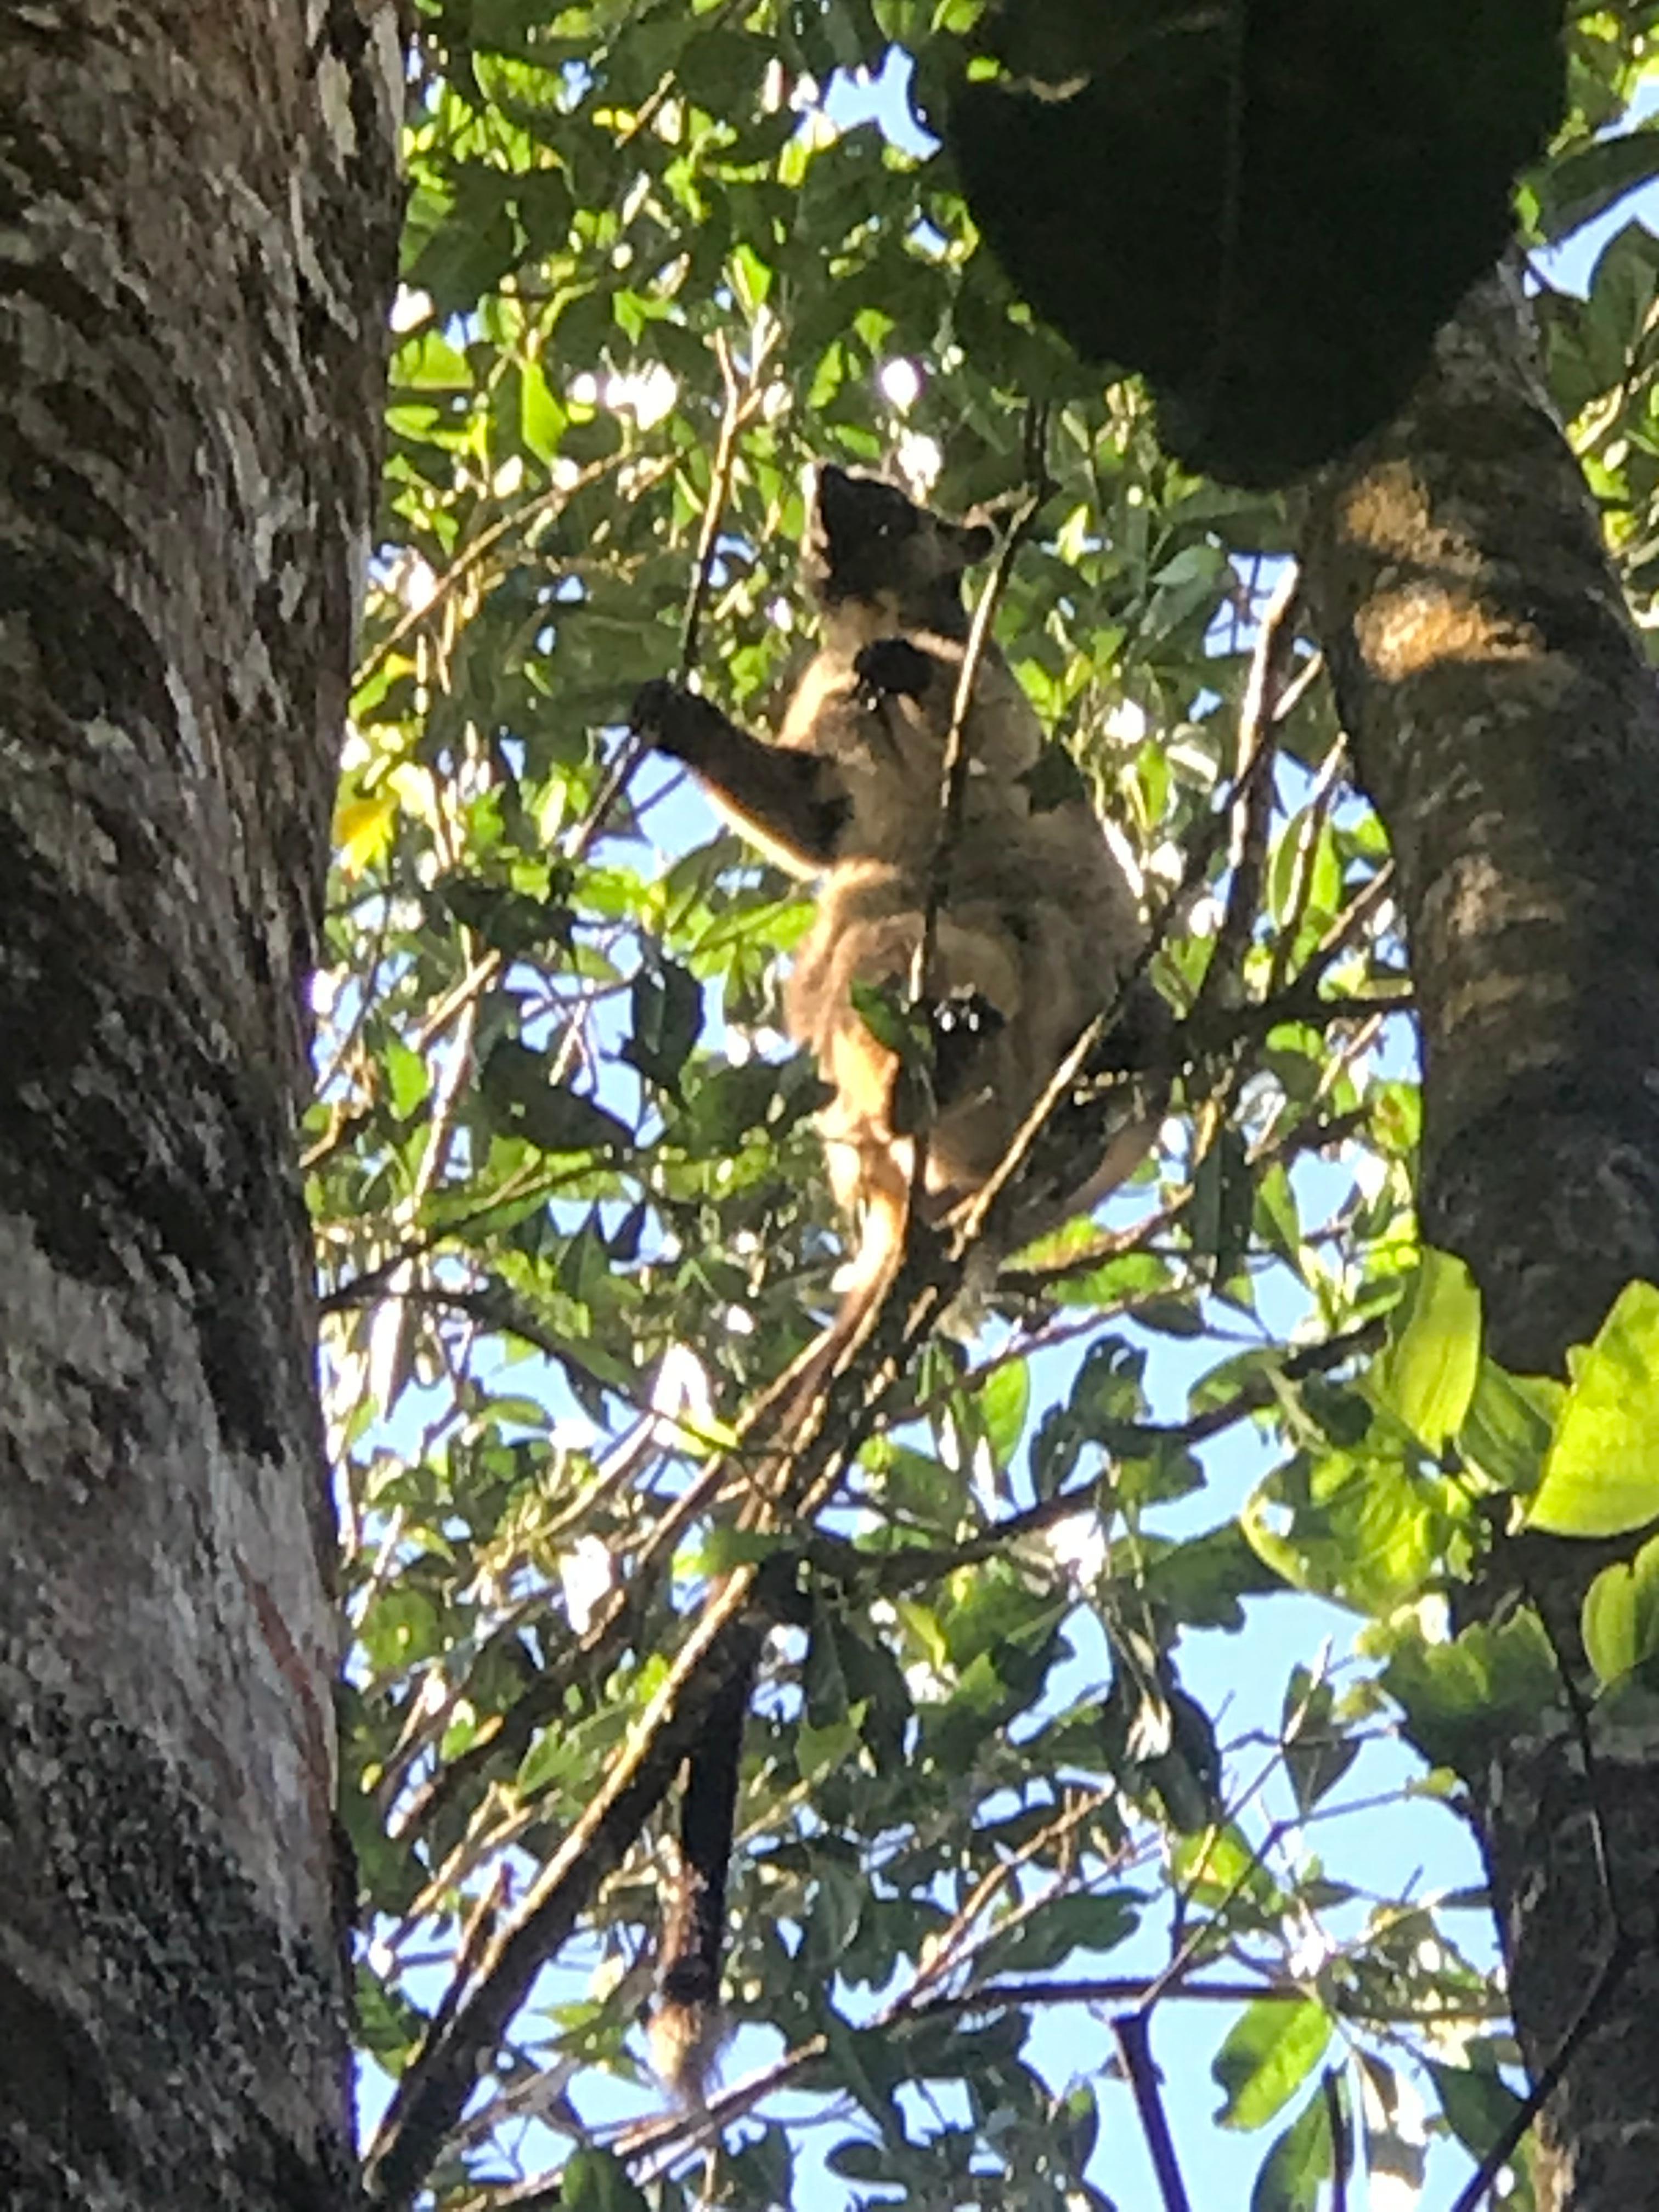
198 213
1505 721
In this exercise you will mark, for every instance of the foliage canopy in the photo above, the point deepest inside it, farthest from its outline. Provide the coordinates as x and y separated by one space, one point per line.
571 1214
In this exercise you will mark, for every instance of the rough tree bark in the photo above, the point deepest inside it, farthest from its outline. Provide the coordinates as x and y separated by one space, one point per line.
1505 721
197 219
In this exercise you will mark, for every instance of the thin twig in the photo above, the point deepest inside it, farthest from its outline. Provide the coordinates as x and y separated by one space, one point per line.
724 1640
954 760
952 1946
1320 800
1133 2041
549 502
915 1566
1253 812
665 2142
435 2087
970 1220
743 395
1336 2121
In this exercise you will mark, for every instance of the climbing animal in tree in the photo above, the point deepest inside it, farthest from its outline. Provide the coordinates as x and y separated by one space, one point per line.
1030 928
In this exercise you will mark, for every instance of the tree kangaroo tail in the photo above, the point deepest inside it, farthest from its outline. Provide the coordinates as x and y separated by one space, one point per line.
687 2028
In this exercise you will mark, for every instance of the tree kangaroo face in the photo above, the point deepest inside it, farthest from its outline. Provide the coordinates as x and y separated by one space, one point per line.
873 553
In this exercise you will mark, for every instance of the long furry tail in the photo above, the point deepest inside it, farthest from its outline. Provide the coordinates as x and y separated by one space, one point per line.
687 2027
687 2024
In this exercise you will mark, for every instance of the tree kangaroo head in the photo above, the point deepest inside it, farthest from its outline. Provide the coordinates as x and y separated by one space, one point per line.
872 555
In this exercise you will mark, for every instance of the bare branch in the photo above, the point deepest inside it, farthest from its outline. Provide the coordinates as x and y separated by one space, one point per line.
1133 2041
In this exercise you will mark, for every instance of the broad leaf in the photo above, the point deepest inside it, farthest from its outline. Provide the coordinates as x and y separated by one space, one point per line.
1269 2051
1601 1472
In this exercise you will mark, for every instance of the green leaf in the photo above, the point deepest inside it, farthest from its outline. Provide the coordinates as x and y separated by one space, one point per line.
819 1751
1507 1429
667 1011
1169 1317
870 2064
400 1629
823 1681
597 2181
1490 1683
550 1758
890 1020
1004 1401
516 1087
429 363
406 1076
838 1905
1602 1471
1066 1925
1270 2050
1220 1867
1620 1619
1077 2126
1478 2105
856 2160
384 2023
1291 2174
1201 1582
1588 182
1365 1529
723 1105
1318 1754
542 416
1426 1376
1223 1202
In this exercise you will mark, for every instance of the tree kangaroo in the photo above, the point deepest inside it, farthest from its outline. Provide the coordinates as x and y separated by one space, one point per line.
1030 928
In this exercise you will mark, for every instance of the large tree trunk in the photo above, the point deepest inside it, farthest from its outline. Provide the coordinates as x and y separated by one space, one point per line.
1505 721
197 209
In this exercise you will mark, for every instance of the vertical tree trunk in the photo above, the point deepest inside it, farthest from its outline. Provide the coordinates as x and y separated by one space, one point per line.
198 212
1505 721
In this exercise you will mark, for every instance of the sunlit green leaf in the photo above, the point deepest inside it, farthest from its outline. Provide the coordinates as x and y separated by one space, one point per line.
1602 1471
1507 1429
1363 1528
1620 1623
1455 1695
1426 1377
1269 2050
